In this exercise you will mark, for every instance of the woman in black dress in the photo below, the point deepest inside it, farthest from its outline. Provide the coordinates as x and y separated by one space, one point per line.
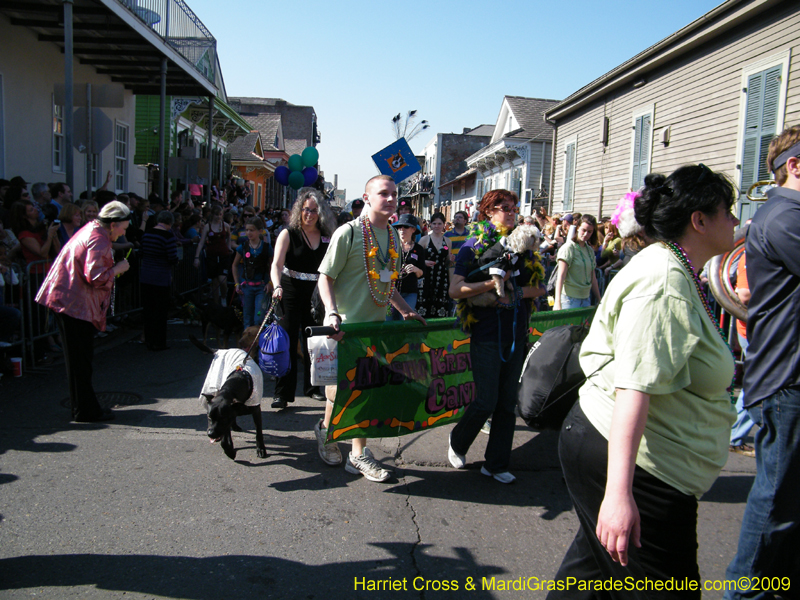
299 250
434 299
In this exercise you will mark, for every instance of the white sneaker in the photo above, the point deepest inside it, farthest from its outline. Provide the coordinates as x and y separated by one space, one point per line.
504 477
329 453
367 466
457 460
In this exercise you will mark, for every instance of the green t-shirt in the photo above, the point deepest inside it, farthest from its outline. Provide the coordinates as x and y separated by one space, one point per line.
652 324
344 262
615 244
581 262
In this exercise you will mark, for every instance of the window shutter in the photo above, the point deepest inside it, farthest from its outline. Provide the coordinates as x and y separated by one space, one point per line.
569 176
641 151
761 122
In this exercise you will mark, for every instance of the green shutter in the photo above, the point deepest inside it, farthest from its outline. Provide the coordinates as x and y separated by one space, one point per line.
641 151
569 176
760 125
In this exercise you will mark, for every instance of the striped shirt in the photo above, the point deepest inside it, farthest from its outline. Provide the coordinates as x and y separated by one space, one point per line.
159 253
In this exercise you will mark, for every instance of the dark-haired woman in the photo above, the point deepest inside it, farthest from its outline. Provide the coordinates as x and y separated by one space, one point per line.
576 279
497 336
299 250
216 240
434 300
159 255
650 432
254 256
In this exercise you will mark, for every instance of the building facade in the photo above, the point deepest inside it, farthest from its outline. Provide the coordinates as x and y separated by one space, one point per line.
715 92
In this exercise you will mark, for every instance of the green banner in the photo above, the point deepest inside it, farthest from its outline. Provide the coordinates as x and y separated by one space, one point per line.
396 378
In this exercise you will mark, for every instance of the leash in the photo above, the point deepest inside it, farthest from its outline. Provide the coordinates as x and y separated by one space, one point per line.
514 329
267 317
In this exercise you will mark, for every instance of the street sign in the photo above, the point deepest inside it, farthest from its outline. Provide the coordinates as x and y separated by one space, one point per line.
102 130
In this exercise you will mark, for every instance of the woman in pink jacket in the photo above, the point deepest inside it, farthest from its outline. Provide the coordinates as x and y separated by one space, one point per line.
78 290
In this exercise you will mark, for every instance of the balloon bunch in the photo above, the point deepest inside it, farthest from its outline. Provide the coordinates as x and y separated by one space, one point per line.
301 171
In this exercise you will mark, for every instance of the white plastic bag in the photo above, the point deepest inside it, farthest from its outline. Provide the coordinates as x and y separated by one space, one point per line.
324 360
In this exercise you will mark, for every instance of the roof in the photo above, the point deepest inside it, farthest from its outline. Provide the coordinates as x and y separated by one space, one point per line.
718 20
482 130
529 113
294 146
262 101
465 174
268 124
243 148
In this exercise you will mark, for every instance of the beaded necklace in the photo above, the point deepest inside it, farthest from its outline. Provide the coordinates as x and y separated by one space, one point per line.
372 261
684 259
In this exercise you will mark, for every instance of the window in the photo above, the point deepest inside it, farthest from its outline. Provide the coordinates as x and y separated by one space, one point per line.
570 154
96 171
58 138
761 118
516 182
479 190
642 143
121 157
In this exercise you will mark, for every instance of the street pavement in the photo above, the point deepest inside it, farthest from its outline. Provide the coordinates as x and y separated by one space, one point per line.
146 507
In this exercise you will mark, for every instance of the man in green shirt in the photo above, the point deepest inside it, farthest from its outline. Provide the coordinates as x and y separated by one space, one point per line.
357 282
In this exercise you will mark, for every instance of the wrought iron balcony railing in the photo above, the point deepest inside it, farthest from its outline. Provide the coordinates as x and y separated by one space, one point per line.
175 22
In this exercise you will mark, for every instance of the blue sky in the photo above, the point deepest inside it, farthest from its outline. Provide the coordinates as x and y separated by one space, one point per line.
360 63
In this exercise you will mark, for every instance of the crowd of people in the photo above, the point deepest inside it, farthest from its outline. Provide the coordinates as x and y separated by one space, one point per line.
652 427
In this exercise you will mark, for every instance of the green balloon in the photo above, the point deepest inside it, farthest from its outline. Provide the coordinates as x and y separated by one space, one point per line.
295 162
296 179
310 156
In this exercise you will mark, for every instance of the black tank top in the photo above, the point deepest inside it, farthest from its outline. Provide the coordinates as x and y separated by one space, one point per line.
301 258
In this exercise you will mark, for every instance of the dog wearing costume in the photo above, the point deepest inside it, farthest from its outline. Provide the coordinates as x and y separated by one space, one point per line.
501 258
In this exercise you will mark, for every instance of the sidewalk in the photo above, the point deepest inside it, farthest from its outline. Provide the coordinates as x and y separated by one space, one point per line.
145 507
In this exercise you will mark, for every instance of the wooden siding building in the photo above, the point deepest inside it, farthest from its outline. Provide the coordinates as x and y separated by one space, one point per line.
715 92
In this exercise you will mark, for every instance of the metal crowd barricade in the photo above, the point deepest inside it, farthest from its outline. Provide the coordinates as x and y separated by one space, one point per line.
185 277
11 296
37 321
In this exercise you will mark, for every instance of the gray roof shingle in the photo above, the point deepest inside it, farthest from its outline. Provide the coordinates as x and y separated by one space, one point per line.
529 113
242 148
294 146
267 124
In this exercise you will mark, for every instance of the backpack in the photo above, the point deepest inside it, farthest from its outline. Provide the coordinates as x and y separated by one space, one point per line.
551 377
273 351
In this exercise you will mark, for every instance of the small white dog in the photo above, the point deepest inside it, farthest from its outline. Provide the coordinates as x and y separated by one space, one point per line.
501 258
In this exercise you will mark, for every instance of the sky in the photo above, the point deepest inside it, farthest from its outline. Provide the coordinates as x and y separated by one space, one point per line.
359 63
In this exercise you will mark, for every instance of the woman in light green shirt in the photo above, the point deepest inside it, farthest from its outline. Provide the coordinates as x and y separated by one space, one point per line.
576 267
650 432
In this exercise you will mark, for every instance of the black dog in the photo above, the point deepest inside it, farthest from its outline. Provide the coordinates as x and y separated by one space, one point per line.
229 403
224 318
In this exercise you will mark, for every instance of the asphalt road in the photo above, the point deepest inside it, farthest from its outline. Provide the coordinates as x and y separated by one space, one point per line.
145 507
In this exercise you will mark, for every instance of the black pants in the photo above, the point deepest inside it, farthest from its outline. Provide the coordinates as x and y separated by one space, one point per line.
296 306
77 338
155 302
668 524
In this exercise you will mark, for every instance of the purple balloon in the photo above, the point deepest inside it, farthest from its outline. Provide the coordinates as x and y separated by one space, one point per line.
310 176
282 175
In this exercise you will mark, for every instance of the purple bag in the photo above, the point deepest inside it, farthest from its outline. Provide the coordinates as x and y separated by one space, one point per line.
273 351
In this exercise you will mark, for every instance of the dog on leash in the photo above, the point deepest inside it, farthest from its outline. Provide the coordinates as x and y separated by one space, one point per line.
231 390
504 256
225 318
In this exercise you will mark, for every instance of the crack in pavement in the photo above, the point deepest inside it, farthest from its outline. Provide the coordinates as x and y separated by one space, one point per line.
398 458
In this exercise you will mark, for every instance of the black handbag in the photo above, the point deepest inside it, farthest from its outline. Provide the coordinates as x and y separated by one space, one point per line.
552 376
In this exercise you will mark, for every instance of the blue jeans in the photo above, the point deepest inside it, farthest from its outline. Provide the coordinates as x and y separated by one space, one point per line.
743 423
252 299
770 535
570 302
496 385
411 300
